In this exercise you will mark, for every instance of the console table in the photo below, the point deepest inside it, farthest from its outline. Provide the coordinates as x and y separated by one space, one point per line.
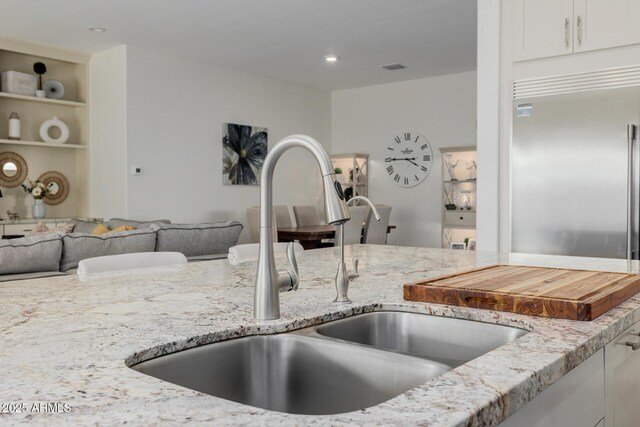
10 229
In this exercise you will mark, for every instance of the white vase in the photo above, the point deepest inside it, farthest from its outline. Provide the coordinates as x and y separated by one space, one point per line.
38 210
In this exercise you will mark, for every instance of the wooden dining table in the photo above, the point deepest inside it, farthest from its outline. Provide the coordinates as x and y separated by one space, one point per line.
311 237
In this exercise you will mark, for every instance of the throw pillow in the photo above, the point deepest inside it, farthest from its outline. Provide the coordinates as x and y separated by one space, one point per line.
100 229
81 226
39 230
65 228
123 228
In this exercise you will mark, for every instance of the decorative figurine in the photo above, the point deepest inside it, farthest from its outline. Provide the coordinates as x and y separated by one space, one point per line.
451 167
472 168
449 205
465 200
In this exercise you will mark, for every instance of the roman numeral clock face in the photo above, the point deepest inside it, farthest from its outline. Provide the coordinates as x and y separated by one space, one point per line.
409 159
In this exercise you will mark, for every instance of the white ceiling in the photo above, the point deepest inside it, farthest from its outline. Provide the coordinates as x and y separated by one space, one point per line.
283 39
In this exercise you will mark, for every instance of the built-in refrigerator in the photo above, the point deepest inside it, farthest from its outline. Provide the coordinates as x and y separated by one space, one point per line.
575 173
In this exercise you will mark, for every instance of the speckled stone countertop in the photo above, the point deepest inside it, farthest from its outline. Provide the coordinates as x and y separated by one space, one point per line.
66 341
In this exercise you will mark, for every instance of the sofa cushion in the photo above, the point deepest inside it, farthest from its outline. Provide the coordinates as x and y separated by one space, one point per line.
81 226
77 246
30 254
198 239
118 222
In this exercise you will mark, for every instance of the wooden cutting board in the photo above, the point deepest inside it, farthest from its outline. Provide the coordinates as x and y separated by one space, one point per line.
535 291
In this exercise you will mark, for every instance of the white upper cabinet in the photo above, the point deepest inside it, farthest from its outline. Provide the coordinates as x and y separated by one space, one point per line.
606 23
542 28
545 28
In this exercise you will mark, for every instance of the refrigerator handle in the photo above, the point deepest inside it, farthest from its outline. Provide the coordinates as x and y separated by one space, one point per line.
631 136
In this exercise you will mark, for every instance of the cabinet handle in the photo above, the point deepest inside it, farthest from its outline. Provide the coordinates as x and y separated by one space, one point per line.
566 32
579 29
634 345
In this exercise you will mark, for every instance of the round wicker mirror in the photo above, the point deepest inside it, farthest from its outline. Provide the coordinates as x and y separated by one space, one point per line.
13 169
58 186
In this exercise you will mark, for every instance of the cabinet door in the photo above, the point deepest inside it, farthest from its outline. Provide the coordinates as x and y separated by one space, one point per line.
622 380
462 218
542 28
601 24
577 399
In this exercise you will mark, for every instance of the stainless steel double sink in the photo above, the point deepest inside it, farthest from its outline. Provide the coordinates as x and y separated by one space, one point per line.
332 368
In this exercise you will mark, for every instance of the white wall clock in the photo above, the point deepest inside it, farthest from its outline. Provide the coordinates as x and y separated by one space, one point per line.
409 159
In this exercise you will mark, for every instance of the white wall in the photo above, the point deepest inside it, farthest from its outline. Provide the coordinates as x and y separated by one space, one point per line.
174 115
489 112
365 120
108 149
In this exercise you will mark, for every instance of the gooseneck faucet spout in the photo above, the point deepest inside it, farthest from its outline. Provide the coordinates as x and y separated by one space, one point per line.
269 282
342 276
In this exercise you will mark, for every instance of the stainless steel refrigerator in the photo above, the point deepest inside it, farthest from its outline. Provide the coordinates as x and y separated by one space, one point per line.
575 174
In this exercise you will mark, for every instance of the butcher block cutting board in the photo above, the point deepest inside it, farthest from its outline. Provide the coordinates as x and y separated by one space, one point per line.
535 291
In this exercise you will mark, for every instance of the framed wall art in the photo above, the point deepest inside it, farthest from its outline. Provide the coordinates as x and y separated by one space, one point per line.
244 149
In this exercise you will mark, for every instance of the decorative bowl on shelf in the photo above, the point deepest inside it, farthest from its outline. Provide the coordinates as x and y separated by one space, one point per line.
450 207
53 89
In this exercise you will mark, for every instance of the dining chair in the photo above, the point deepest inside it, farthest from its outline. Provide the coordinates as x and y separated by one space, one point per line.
111 263
353 227
283 217
253 218
307 216
375 232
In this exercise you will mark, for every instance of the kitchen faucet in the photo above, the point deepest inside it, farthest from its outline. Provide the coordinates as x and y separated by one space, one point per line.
342 276
269 282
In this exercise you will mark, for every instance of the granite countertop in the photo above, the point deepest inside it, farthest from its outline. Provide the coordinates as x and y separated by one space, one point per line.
66 341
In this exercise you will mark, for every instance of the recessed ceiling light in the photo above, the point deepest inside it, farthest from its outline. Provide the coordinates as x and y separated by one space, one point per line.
97 29
331 58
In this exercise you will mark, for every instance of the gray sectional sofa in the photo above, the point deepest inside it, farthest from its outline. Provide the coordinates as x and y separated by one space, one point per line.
53 254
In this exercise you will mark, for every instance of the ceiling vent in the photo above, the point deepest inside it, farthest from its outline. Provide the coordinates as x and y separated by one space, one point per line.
393 67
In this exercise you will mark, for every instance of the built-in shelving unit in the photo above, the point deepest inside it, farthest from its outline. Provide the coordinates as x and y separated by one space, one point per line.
61 102
71 158
41 144
459 195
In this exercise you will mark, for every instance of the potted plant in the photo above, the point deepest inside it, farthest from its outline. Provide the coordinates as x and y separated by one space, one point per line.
38 191
339 175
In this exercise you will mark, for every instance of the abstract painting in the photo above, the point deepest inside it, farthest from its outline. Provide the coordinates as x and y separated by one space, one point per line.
244 149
